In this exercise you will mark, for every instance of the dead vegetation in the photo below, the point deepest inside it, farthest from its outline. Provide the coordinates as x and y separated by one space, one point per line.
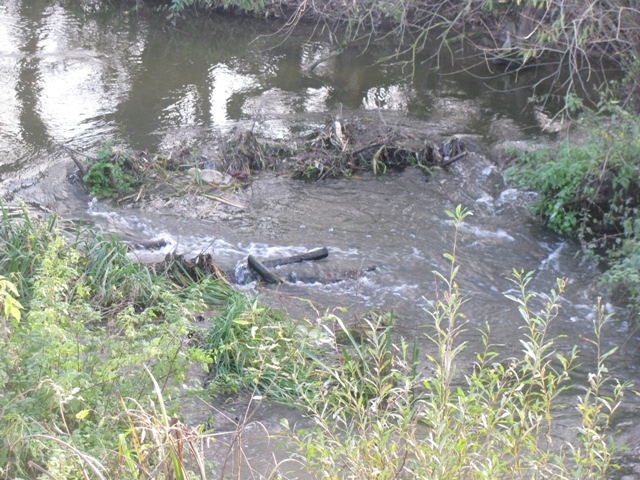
342 149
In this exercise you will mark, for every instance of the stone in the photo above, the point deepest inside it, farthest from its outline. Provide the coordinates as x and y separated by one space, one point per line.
213 177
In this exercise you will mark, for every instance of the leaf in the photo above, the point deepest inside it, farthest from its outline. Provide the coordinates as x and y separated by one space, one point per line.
82 414
242 322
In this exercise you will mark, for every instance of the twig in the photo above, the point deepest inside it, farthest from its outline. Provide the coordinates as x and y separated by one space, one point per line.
222 199
453 159
92 463
40 469
328 56
368 147
71 153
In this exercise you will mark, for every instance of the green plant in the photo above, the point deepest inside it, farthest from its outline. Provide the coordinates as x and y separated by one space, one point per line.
11 307
111 174
591 190
374 417
254 347
154 443
558 176
92 317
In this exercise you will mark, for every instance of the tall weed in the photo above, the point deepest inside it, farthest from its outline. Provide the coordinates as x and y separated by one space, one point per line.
375 417
92 319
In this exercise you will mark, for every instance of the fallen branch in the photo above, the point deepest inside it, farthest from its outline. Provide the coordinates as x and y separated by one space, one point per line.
317 254
368 147
81 167
263 271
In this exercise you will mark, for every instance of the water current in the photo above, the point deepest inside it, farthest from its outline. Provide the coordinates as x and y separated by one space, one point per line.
82 76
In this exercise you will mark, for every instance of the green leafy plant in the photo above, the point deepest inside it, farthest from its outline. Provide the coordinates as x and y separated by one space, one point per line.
375 417
592 190
88 376
157 445
111 175
253 347
91 318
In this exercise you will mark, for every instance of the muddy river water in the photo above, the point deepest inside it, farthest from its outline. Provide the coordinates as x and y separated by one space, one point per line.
79 76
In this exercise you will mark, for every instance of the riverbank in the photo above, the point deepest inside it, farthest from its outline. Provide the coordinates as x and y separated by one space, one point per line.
589 189
81 81
100 352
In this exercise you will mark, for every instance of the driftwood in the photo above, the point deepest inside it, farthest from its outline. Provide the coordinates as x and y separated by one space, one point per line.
262 268
263 271
317 254
81 167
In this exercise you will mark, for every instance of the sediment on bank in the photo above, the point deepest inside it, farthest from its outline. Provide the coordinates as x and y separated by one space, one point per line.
343 149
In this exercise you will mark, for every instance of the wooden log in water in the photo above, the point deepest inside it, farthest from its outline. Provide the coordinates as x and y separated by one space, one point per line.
263 271
146 245
317 254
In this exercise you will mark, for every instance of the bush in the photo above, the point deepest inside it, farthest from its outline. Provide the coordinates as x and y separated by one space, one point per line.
592 190
255 348
87 379
92 319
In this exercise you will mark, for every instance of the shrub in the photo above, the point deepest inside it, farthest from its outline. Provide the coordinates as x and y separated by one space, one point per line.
592 190
87 380
92 319
375 417
111 174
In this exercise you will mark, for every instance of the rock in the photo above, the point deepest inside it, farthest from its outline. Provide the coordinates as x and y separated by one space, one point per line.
213 177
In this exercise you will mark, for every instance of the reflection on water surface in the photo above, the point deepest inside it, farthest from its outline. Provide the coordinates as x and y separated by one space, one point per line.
81 79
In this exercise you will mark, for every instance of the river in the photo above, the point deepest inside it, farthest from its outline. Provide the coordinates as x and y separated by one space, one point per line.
78 75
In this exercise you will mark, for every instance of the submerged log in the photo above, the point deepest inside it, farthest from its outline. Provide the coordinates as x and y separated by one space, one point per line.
317 254
146 245
326 278
263 271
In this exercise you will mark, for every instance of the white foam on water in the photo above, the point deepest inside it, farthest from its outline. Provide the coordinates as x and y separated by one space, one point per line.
499 234
120 222
552 261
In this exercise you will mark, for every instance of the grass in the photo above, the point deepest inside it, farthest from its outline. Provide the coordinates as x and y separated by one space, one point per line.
92 318
89 370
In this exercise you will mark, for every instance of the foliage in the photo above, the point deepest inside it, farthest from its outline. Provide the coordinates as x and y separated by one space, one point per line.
88 375
92 319
178 7
154 443
111 174
592 189
375 417
253 347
